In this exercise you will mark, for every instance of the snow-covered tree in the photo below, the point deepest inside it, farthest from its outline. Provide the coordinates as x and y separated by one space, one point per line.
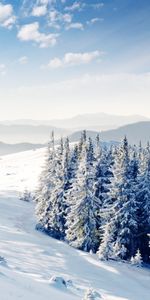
96 198
143 196
137 259
91 294
82 219
121 215
26 196
105 250
57 205
45 187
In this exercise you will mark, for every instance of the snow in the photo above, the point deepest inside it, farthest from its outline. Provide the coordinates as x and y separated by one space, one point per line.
34 260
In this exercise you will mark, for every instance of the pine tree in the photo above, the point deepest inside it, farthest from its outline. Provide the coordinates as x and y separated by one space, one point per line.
121 214
137 259
82 218
105 250
57 204
44 189
143 197
103 176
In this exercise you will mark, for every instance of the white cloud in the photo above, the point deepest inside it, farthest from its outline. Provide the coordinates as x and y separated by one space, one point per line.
39 11
36 8
23 60
67 18
2 69
94 20
75 26
7 18
30 32
75 6
74 59
57 19
55 63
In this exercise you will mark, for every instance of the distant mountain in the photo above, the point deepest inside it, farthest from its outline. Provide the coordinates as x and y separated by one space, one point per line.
14 148
75 137
29 133
33 131
98 121
135 133
95 121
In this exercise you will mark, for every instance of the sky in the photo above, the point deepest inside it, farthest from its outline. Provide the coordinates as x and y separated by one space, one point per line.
59 58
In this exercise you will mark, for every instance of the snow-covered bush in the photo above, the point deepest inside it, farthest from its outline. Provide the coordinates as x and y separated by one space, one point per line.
90 294
2 261
58 282
137 259
26 196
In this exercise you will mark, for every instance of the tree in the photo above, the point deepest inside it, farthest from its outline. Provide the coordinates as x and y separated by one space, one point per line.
56 210
137 259
103 175
120 216
105 250
82 218
43 193
26 196
143 197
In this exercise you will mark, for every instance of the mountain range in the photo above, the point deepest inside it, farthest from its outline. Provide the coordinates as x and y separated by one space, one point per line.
30 135
96 121
136 133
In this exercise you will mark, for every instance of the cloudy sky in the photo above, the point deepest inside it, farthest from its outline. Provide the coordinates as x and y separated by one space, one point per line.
59 58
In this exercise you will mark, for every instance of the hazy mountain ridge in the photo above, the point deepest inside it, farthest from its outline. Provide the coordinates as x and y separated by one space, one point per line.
95 121
29 133
135 133
38 131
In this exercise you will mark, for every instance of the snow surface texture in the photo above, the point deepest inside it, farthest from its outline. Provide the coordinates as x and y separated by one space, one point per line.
38 267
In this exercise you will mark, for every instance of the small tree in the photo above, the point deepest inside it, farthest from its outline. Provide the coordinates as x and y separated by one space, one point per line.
137 259
26 196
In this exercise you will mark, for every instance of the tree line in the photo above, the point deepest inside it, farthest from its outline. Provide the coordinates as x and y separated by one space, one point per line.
96 198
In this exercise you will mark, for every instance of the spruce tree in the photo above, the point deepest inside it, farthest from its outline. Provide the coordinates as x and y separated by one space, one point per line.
82 218
143 197
121 214
44 190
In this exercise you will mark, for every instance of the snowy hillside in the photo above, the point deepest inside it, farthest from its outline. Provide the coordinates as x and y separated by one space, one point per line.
33 259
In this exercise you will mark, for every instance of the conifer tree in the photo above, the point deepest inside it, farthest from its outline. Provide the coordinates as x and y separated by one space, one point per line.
57 204
121 216
137 259
82 219
44 189
143 197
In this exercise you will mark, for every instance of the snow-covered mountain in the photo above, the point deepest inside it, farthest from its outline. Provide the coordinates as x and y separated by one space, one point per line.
38 267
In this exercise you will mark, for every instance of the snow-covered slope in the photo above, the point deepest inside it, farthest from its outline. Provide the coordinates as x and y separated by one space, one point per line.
33 258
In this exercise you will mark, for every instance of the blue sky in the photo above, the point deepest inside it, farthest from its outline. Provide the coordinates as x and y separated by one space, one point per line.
59 58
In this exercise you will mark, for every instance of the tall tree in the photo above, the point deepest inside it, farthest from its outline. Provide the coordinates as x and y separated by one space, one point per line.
82 219
121 216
